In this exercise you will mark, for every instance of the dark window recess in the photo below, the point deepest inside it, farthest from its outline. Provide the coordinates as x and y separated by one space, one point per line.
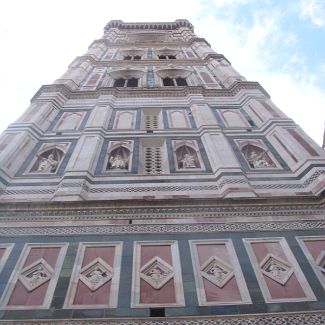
168 82
119 82
132 82
174 82
181 82
166 57
157 312
134 57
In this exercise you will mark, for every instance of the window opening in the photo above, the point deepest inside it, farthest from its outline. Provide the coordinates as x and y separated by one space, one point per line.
168 81
133 82
153 160
181 82
119 82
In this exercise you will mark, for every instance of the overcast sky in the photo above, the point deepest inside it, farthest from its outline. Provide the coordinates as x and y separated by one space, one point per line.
280 44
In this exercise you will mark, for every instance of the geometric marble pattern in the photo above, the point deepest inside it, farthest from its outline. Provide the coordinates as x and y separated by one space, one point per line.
217 271
157 272
36 274
276 268
320 261
96 274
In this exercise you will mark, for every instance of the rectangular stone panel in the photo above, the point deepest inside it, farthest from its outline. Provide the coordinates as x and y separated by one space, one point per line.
218 276
314 249
32 283
277 271
157 276
95 277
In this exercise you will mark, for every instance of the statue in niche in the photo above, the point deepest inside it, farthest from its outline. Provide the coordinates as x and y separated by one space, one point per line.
48 161
187 157
48 164
188 161
257 157
117 162
119 159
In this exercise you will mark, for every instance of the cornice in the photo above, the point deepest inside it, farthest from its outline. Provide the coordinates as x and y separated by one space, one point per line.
151 92
251 206
178 23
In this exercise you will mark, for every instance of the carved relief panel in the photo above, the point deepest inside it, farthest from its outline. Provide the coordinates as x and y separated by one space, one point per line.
157 277
314 249
218 276
69 121
95 276
119 156
32 284
277 271
187 155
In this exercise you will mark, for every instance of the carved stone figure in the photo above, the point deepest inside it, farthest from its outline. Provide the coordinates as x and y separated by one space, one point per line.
118 162
218 272
188 161
156 274
276 270
258 160
48 164
36 276
96 276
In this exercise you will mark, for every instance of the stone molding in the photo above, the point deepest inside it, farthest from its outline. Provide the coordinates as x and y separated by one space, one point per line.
152 92
161 228
178 23
315 318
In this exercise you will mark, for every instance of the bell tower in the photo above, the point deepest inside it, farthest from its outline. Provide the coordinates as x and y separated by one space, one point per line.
153 180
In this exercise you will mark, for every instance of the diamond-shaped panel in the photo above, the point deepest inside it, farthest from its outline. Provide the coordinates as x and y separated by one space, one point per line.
96 273
217 271
157 272
36 274
320 261
276 268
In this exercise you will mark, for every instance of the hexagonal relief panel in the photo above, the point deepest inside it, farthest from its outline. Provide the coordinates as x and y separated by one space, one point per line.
217 271
36 274
276 268
96 274
157 272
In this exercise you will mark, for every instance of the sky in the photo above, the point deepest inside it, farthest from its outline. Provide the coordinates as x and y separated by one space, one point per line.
279 43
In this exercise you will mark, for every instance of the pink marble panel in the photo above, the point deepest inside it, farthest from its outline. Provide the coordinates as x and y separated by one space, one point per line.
230 291
292 288
303 142
85 296
315 247
20 295
2 251
166 294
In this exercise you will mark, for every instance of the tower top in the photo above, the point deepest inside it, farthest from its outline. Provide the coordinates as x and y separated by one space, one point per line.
149 25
